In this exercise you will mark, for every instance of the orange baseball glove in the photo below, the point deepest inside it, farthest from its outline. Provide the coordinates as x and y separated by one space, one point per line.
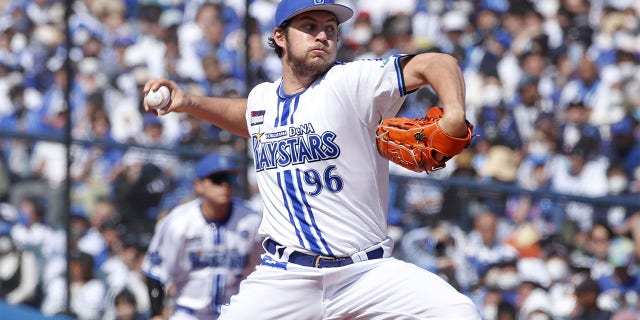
414 143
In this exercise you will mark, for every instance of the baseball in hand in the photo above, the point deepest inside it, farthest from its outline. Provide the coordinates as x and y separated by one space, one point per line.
158 99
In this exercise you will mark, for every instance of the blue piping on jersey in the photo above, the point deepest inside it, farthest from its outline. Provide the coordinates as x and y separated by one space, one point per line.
219 236
295 108
399 77
285 116
218 292
299 213
311 216
286 108
286 205
277 121
296 210
396 63
218 282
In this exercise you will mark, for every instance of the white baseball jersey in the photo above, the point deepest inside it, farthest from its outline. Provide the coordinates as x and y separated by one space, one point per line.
308 151
204 260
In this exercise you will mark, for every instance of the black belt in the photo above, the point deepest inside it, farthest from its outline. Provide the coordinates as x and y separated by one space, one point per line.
317 261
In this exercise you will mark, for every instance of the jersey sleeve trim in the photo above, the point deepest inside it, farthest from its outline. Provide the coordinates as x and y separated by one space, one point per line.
400 78
153 276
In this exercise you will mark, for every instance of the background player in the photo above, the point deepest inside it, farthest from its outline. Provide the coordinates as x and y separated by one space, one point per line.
203 247
324 185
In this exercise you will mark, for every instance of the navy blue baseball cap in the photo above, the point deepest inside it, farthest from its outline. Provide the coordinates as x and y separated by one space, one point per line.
214 163
289 8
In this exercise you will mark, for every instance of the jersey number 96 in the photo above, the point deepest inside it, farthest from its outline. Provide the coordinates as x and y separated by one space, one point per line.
328 180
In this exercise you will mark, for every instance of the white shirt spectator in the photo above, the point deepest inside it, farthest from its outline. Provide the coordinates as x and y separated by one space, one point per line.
120 277
50 159
34 236
54 287
92 242
87 300
149 51
591 181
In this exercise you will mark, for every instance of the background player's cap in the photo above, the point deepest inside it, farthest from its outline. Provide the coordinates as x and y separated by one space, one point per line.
289 8
214 163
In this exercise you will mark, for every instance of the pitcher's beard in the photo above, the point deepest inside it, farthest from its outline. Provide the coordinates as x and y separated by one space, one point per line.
308 69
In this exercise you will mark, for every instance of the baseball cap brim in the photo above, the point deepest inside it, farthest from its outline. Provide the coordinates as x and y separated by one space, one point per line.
214 163
342 13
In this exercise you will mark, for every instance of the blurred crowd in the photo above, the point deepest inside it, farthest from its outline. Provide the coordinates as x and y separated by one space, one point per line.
553 90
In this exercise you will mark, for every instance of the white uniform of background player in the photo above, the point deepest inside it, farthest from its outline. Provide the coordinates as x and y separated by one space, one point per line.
204 259
323 183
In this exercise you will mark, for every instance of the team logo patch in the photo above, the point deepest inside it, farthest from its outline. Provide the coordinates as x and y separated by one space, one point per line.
317 2
155 258
269 262
257 117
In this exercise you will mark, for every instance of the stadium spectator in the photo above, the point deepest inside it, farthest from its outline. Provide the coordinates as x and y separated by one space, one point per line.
48 166
586 86
93 167
127 307
587 292
92 241
562 278
539 157
576 126
454 23
486 243
121 273
498 286
148 49
500 166
620 288
19 119
526 240
54 287
530 105
581 173
618 183
87 292
495 122
31 230
460 204
202 36
153 136
533 298
624 145
597 246
440 249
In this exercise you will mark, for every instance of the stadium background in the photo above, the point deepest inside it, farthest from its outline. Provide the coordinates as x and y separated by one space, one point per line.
548 81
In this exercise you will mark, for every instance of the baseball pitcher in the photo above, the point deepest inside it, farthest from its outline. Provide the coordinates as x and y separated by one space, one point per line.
323 173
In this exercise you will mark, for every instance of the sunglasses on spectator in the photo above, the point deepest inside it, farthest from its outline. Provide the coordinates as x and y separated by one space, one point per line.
220 178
